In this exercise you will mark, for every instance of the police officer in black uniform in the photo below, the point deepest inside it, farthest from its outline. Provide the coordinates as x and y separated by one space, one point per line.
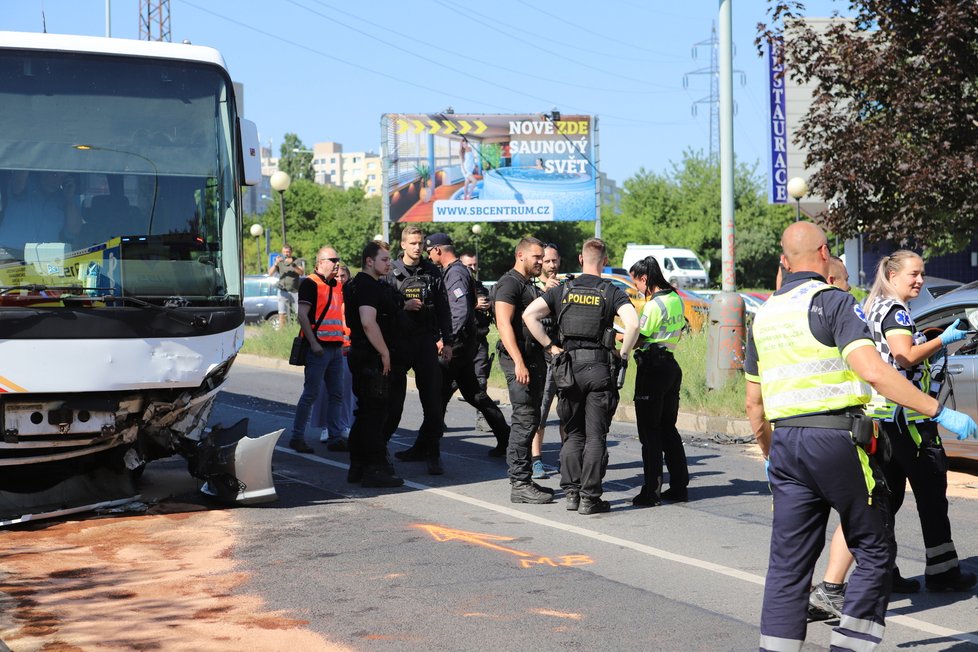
521 358
420 326
371 306
586 369
459 347
483 361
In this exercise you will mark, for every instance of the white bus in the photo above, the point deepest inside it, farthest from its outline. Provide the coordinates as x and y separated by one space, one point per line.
121 166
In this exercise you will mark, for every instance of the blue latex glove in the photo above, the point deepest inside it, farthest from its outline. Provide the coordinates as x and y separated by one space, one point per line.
957 422
767 474
953 334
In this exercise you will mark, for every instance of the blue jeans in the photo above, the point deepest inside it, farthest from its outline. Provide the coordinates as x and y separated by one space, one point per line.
327 368
320 408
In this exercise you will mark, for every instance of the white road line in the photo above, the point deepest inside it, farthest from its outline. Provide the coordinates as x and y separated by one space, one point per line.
906 621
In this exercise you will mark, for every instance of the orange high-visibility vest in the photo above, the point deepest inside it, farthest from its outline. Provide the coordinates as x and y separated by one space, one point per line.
331 329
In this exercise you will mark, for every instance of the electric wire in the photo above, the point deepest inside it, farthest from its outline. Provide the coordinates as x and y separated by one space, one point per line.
616 41
470 15
483 62
338 59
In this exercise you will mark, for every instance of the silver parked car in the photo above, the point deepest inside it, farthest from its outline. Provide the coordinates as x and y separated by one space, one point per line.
261 300
960 368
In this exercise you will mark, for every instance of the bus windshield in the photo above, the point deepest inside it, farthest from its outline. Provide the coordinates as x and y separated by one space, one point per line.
117 174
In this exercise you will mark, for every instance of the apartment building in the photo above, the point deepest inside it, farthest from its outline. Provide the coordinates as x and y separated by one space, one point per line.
333 166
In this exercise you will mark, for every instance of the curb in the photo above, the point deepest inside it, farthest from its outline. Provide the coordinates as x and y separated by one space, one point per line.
688 421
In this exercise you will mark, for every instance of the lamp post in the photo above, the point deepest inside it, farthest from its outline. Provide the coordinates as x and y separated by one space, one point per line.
280 183
256 232
476 230
797 188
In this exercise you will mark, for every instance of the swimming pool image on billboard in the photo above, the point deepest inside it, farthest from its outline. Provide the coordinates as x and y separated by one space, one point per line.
572 194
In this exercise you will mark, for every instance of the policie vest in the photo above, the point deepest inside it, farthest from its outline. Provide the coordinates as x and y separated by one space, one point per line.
662 321
880 407
420 286
800 375
585 312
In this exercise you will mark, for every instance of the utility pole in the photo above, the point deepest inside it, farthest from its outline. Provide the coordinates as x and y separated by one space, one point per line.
725 340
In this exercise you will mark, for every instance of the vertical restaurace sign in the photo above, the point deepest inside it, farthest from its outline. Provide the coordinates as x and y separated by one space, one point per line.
779 124
448 167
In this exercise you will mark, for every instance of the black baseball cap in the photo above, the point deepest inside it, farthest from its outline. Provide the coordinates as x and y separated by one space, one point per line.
437 240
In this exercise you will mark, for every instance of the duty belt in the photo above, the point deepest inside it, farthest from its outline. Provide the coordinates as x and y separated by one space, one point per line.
589 355
828 421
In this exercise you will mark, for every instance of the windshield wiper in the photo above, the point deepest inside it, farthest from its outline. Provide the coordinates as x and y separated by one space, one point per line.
171 311
37 288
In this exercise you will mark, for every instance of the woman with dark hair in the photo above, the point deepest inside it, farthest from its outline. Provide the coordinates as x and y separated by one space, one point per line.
657 380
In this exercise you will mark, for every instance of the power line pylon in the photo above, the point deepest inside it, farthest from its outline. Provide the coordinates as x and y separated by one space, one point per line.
713 99
154 20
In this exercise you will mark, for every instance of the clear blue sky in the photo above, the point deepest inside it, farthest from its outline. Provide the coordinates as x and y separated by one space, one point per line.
328 69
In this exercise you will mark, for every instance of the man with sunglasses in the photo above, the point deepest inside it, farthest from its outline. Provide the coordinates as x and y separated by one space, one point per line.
320 316
458 352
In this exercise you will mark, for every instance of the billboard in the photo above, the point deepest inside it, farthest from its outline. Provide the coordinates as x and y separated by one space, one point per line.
448 167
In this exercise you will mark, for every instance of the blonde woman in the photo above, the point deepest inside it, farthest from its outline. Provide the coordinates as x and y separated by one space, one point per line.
918 455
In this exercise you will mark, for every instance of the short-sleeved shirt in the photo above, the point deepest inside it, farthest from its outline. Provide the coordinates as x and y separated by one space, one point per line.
518 291
898 322
835 319
309 293
460 288
365 290
553 296
288 275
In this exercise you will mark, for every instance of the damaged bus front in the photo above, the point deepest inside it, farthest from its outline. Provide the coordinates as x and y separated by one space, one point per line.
121 166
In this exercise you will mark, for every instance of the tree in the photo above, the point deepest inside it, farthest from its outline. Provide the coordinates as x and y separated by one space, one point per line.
893 128
682 209
295 158
318 215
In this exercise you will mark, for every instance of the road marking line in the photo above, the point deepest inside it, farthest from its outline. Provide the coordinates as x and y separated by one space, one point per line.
906 621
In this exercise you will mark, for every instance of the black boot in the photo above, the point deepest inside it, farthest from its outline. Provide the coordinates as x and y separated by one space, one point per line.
380 476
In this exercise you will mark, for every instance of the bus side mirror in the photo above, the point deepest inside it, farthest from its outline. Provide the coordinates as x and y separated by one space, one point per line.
250 149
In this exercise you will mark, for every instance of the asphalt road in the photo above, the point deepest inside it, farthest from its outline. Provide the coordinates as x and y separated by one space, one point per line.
448 563
443 563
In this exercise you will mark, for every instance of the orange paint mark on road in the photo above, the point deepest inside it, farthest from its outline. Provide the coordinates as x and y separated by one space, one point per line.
558 614
527 560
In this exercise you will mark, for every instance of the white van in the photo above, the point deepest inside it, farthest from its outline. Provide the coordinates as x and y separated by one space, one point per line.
681 267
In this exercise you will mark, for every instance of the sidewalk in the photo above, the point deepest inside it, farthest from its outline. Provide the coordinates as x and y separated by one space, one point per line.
626 412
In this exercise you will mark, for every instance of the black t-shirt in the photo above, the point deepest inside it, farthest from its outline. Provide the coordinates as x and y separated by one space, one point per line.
518 291
364 290
835 319
554 295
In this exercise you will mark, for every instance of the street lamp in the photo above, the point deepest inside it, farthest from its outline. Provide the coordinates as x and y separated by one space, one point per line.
476 230
797 188
280 182
256 232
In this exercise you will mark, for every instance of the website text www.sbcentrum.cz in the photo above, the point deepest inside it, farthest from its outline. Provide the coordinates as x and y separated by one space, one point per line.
457 210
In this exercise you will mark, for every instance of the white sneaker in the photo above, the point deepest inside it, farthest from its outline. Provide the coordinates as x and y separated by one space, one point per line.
324 436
